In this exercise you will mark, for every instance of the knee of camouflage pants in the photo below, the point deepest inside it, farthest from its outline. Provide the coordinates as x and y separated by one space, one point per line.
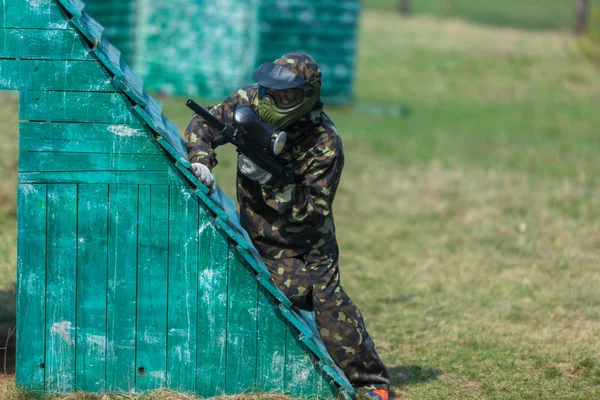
290 275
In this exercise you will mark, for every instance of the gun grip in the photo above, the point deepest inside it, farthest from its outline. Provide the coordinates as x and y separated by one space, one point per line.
219 141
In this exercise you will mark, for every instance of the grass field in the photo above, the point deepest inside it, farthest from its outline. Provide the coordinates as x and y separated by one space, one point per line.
469 231
527 14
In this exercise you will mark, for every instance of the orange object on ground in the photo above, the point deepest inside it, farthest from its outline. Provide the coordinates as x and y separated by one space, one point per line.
380 394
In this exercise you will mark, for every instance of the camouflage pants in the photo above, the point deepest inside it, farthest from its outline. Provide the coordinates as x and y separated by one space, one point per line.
313 283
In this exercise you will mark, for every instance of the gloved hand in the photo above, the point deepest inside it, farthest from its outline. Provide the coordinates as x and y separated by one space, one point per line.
251 170
204 175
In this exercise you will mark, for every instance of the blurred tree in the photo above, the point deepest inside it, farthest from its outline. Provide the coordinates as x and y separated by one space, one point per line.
582 11
404 7
589 45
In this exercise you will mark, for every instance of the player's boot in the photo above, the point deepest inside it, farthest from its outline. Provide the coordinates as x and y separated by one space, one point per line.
378 394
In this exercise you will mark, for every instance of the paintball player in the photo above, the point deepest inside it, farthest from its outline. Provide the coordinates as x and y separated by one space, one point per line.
292 224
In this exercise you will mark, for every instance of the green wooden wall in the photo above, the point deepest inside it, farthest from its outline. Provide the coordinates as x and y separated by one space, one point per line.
325 29
131 287
129 278
210 48
191 47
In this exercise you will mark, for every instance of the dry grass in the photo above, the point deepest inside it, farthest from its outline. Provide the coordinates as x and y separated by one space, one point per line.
9 392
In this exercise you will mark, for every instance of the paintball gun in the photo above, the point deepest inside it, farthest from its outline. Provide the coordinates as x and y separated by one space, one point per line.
256 139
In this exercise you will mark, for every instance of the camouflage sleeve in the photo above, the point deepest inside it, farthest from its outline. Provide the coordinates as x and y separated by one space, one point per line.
199 136
311 200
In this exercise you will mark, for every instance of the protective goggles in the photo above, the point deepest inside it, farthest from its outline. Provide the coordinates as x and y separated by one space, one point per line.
283 98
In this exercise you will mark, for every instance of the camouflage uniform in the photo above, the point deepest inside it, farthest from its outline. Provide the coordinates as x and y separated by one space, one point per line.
292 226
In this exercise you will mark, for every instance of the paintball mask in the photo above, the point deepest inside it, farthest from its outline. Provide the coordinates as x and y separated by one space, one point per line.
287 88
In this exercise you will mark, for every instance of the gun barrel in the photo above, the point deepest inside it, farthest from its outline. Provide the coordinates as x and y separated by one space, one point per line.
250 148
208 117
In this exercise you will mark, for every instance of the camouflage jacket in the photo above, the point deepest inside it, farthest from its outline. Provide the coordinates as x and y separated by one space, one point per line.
283 221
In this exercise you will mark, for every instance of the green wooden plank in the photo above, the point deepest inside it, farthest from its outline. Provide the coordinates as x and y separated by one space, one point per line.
255 263
61 287
152 115
35 161
43 44
55 75
131 84
131 145
92 232
74 7
173 136
228 205
176 156
242 323
332 371
296 320
109 56
183 289
31 285
89 27
43 14
338 376
212 308
154 109
121 288
153 259
209 203
167 177
346 395
87 138
270 373
302 374
112 108
192 179
180 159
326 386
275 291
314 345
233 234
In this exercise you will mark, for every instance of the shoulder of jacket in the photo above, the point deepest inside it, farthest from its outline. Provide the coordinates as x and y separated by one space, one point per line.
328 136
248 94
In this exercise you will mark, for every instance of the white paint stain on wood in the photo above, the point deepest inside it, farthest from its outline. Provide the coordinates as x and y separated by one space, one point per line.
34 3
32 282
186 193
158 374
148 338
124 131
204 225
97 343
27 189
63 329
206 277
277 360
302 375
